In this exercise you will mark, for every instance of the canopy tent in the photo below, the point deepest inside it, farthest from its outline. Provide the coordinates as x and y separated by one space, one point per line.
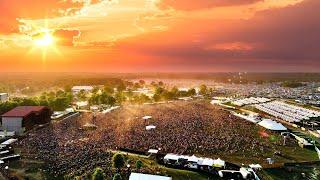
147 117
173 157
255 166
219 163
207 162
272 125
82 103
153 151
193 158
9 141
150 127
139 176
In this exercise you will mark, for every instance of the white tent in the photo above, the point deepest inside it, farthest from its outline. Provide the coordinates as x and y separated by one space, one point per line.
272 125
139 176
9 141
150 127
173 157
82 103
147 117
255 166
153 151
219 163
207 162
193 158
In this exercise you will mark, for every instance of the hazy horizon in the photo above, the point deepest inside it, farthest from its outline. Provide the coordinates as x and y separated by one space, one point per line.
159 36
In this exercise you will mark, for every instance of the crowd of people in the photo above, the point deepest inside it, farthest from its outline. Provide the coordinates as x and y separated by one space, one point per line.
194 127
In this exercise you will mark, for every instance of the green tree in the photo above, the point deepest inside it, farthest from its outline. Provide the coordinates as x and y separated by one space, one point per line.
98 174
95 90
67 88
139 164
118 161
160 83
191 92
142 82
136 86
121 87
117 177
107 99
60 93
108 89
175 91
203 89
81 95
120 97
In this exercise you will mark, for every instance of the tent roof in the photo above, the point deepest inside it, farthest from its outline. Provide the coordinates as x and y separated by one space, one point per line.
139 176
153 151
147 117
272 125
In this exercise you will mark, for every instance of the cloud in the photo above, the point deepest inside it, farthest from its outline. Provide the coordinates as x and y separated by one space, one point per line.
202 4
34 9
65 37
275 38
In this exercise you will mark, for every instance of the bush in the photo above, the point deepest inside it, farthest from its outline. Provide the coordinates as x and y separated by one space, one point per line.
117 177
98 174
139 164
118 161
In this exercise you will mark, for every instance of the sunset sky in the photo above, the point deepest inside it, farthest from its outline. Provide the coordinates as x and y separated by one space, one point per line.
159 35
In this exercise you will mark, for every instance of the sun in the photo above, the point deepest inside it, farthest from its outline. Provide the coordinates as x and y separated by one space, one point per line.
44 40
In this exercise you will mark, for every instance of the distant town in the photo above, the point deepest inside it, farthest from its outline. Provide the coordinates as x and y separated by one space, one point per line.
162 126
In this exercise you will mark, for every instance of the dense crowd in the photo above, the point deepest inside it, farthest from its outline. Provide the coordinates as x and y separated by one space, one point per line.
181 127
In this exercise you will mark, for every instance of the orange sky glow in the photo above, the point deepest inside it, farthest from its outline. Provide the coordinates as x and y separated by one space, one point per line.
159 35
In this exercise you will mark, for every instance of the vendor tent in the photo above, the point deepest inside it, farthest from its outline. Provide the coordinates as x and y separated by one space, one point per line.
219 163
147 117
150 127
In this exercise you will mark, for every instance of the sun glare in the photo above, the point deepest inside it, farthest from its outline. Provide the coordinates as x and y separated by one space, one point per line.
44 40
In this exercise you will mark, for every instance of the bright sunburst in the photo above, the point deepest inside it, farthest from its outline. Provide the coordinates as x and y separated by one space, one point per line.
44 40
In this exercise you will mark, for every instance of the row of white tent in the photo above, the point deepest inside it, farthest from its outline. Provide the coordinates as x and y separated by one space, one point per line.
8 142
251 100
287 112
266 123
196 160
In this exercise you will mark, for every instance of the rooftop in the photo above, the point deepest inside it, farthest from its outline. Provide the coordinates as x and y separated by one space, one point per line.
22 111
139 176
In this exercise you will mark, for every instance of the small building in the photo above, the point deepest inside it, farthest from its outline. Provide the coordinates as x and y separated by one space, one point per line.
23 118
139 176
4 97
77 89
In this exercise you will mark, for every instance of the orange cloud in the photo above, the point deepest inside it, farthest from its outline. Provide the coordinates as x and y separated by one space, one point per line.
34 9
65 37
202 4
233 46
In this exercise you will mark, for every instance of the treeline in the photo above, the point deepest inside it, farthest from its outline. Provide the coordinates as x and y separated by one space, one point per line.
57 101
31 83
292 84
126 93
